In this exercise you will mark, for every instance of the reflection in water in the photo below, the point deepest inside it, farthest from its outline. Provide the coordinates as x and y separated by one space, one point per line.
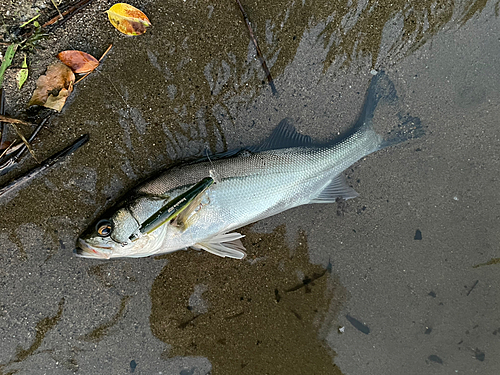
381 31
265 314
356 29
202 71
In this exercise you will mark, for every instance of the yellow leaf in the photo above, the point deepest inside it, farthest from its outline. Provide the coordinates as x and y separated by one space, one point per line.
22 75
128 19
53 88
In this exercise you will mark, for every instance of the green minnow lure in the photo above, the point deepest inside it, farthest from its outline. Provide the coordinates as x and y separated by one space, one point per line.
174 208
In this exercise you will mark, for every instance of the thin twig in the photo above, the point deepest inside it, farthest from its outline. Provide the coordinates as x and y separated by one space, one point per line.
54 21
105 52
103 55
12 120
70 13
25 141
259 53
7 166
7 149
58 11
47 163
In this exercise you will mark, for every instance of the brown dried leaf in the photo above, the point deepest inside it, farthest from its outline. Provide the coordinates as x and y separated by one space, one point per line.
54 87
78 61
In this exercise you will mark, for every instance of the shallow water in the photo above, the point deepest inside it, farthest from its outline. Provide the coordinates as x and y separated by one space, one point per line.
385 284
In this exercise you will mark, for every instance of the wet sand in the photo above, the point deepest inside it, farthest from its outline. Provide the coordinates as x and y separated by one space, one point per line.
403 279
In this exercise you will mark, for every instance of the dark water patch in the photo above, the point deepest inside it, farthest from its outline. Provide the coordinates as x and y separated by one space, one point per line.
101 274
253 325
479 355
14 238
351 29
358 325
488 263
133 365
100 332
418 235
41 329
473 8
411 24
435 358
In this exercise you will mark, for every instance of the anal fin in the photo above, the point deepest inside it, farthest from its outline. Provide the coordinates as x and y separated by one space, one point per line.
224 245
338 188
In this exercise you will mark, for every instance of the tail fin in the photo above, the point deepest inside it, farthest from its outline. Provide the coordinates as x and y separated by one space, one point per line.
382 89
409 128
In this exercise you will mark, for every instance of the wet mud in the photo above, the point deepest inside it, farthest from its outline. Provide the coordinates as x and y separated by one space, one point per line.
264 315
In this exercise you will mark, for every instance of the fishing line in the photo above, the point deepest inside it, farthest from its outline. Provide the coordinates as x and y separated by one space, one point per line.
212 171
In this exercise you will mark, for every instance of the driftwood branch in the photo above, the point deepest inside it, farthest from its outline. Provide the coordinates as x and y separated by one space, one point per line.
47 163
259 53
69 12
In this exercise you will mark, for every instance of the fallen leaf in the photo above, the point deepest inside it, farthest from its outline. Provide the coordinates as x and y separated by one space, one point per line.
4 145
54 87
22 75
78 61
7 60
128 19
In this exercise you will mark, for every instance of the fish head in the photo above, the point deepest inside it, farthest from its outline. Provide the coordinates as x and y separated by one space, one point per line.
112 236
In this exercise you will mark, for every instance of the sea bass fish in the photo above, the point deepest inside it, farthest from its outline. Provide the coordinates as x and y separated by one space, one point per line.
286 171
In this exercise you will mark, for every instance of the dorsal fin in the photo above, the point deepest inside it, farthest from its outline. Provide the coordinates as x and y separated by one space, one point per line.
283 136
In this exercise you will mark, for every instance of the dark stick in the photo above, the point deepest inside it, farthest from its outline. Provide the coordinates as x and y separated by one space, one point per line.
259 53
46 164
473 286
53 22
69 12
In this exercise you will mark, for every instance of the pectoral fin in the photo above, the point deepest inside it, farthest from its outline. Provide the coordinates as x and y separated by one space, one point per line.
224 245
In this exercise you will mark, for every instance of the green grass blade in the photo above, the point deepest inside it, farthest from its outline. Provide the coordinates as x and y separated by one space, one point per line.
7 60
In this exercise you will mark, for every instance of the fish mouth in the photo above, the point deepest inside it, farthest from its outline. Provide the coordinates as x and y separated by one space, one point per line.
84 250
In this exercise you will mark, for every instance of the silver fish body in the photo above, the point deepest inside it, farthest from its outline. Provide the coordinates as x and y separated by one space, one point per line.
287 171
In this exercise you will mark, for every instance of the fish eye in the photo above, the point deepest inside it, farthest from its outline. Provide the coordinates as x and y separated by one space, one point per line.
104 228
